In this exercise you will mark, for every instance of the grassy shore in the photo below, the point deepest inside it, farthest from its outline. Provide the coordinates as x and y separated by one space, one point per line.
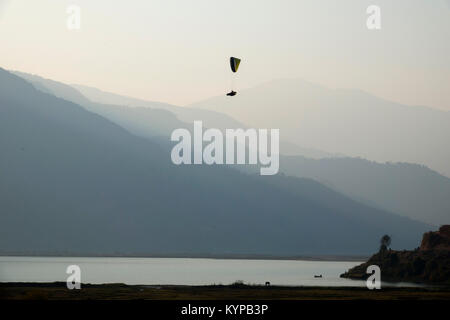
59 291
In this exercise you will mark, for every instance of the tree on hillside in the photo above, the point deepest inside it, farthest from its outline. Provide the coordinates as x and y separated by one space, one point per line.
385 242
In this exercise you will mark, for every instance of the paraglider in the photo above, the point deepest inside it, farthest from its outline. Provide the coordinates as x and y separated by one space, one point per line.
234 64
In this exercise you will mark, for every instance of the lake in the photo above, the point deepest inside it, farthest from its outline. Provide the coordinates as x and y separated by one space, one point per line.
180 271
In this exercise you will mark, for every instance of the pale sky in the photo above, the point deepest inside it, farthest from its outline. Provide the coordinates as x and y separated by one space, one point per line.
177 51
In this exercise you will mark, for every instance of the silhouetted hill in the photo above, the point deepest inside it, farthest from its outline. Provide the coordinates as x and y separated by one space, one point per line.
73 181
430 263
410 190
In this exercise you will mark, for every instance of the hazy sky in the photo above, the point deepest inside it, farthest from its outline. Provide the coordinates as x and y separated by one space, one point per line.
177 51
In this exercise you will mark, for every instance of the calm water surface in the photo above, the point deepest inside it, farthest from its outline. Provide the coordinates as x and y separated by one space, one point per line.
179 271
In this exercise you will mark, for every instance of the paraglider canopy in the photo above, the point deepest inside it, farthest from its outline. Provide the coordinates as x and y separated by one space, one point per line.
234 63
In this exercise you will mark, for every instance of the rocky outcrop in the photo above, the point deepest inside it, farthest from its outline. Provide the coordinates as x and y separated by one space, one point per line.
439 240
430 263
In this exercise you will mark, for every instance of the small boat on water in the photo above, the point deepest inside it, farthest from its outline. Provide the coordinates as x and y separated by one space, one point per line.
317 276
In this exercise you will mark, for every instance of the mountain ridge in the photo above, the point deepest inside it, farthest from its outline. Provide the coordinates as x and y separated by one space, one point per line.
71 179
345 121
420 194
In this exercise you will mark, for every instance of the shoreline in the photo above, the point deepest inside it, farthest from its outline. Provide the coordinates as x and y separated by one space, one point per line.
330 258
117 291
